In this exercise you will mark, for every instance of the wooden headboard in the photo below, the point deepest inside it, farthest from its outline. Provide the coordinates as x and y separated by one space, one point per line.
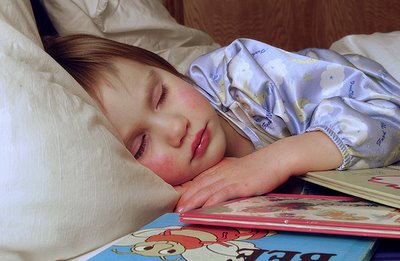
289 24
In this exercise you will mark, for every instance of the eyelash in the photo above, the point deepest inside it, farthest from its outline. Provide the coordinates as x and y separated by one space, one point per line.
163 96
143 144
142 147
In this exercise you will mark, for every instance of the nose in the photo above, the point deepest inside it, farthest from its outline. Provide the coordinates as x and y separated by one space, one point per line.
173 128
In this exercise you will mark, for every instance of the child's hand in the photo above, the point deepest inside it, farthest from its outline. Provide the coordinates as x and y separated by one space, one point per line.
231 178
260 172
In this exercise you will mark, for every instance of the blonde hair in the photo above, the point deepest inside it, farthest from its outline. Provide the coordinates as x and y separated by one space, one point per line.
86 57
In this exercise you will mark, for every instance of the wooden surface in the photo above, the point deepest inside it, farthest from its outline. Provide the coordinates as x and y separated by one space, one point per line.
175 8
291 24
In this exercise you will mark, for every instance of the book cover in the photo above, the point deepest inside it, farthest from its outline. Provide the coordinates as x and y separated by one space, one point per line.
302 213
388 250
168 239
381 185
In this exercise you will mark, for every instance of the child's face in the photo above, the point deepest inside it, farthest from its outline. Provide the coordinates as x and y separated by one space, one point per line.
164 122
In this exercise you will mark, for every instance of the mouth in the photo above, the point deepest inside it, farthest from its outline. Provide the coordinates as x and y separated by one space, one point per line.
200 143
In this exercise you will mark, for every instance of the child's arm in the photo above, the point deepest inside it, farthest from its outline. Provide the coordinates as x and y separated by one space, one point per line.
261 171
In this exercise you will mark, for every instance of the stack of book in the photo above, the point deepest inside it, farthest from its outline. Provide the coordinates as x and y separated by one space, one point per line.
281 226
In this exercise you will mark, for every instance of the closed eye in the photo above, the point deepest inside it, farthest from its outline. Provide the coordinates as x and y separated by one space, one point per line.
163 95
142 147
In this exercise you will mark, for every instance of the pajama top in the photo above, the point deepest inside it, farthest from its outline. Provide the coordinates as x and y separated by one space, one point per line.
269 94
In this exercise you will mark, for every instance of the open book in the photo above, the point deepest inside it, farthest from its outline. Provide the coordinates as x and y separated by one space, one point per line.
380 185
302 213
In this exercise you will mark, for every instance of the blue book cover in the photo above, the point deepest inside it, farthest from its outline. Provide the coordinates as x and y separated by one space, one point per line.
168 239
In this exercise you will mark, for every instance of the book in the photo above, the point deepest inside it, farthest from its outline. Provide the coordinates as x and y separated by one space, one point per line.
168 239
381 185
388 250
340 215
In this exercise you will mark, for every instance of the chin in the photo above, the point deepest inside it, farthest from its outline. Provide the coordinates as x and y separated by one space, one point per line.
214 161
181 178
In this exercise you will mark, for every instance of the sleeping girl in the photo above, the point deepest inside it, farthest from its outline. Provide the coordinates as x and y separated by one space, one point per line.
246 118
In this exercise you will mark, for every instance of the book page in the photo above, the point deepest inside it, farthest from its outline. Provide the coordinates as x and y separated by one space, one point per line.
381 185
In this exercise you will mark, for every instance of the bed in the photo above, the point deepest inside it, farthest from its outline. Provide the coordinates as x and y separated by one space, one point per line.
68 186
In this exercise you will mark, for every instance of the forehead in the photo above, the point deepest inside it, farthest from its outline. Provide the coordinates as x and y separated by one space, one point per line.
119 74
126 76
130 73
122 94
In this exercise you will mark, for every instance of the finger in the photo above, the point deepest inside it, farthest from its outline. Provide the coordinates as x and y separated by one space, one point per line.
227 193
188 203
180 189
200 197
193 188
239 188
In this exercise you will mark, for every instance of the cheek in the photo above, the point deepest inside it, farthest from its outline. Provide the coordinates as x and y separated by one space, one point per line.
163 166
191 98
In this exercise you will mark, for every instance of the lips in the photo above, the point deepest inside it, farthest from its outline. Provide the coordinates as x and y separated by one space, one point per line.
200 143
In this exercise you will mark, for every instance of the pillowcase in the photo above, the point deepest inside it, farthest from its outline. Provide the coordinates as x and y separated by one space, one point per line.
381 47
67 183
143 23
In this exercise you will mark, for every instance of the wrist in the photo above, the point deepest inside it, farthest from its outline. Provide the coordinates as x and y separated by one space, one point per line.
280 160
306 152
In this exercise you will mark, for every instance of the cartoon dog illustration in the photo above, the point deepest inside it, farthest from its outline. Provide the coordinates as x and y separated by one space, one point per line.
189 242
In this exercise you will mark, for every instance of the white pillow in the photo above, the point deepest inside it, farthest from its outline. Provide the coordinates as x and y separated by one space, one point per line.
67 184
144 23
382 47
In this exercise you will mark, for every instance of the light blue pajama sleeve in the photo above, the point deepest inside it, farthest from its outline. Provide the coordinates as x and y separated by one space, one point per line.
271 94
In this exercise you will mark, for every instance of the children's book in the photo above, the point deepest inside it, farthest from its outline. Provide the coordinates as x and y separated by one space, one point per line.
168 239
380 185
302 213
388 250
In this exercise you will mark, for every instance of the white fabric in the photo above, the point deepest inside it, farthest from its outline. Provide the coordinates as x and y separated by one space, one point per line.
67 184
144 23
381 47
